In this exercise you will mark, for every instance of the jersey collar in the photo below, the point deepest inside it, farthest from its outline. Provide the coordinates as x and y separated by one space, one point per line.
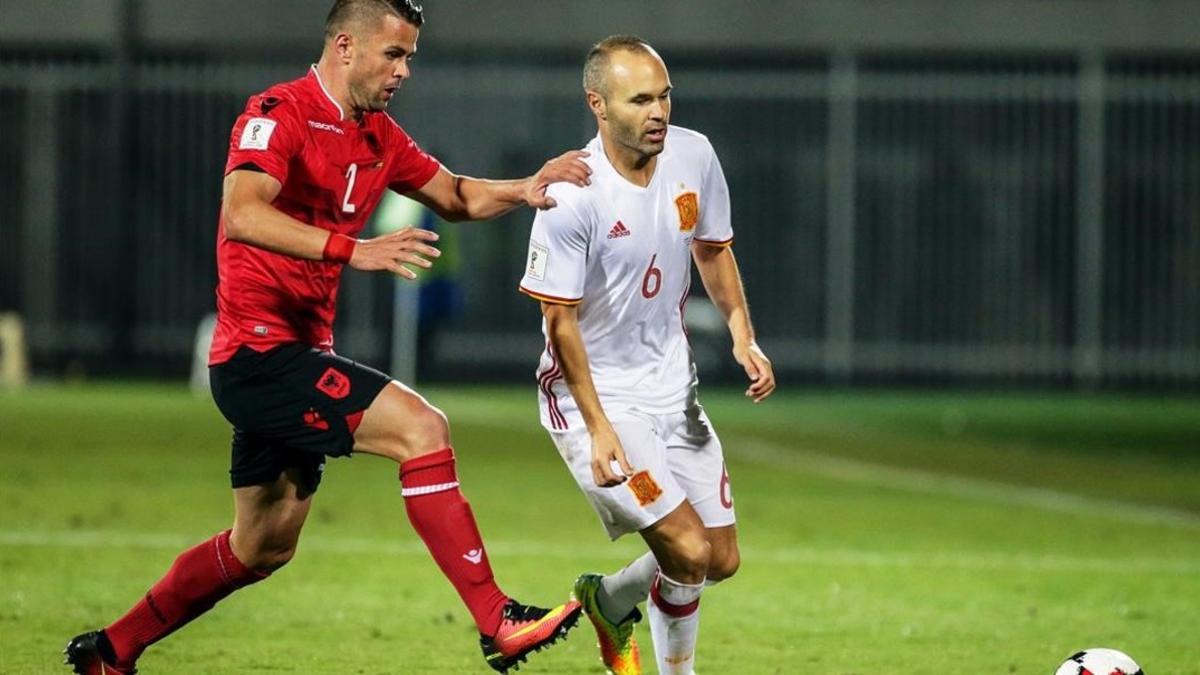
338 106
624 182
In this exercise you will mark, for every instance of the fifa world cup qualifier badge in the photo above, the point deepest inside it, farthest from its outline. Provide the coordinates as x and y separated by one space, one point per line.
688 205
536 269
256 135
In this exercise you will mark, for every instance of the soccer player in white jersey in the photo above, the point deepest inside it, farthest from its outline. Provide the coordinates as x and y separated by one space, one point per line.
612 266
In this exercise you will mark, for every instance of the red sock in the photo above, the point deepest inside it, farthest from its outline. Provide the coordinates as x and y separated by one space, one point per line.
442 517
200 577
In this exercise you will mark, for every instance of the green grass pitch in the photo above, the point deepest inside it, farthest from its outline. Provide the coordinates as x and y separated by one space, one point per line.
881 533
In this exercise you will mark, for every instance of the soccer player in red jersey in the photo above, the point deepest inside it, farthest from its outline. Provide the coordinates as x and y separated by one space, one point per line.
308 162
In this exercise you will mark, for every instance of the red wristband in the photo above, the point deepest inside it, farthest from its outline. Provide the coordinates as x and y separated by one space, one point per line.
339 248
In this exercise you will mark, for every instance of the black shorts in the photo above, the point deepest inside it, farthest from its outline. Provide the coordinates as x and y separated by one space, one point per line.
291 406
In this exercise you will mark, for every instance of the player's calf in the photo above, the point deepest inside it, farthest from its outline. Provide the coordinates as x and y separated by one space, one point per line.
198 579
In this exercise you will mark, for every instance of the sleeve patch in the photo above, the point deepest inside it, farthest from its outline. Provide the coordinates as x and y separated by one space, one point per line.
688 205
257 134
536 267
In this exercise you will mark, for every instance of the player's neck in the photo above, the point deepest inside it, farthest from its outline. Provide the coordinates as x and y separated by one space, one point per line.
334 84
631 164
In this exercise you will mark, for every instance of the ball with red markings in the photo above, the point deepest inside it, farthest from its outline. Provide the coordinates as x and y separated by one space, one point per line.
1099 661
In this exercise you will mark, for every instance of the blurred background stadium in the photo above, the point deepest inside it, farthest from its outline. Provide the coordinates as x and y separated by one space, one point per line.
970 232
946 191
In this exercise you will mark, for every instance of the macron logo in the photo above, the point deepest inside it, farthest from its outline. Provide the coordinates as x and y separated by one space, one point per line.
326 127
619 230
475 555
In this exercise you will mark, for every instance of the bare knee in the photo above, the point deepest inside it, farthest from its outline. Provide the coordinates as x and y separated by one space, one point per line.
430 432
689 559
723 565
265 555
413 430
273 558
266 546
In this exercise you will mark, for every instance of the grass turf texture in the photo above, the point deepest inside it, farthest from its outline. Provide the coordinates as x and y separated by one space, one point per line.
881 533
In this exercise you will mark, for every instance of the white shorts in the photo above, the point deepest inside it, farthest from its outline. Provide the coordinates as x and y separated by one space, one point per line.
675 457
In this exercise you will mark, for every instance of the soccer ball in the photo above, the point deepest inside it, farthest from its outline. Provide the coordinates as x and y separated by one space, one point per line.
1099 661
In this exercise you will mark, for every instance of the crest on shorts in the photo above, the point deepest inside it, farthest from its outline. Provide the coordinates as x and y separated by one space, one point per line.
643 486
334 384
688 205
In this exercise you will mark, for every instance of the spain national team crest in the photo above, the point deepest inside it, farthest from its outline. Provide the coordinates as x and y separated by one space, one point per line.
688 205
643 486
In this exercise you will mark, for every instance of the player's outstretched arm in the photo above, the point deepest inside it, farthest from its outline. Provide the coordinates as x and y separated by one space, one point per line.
719 271
250 218
456 198
562 329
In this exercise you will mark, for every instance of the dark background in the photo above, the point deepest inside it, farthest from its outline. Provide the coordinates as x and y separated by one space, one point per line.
964 192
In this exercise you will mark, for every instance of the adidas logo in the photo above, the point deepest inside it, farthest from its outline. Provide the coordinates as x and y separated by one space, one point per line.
619 230
474 555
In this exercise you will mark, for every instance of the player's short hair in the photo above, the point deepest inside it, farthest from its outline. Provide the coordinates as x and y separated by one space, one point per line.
595 66
366 12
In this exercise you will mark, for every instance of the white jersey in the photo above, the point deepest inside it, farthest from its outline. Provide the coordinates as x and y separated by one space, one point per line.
622 252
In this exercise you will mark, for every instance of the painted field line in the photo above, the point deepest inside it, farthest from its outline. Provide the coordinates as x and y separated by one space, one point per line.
806 461
790 556
796 460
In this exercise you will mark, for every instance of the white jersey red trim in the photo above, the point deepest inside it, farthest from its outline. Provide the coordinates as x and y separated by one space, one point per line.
622 253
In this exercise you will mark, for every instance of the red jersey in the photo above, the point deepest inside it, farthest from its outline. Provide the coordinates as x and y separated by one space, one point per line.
334 171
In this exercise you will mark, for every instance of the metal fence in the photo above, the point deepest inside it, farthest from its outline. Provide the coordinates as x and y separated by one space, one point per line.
944 222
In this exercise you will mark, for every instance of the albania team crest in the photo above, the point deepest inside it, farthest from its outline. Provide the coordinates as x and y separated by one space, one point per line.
688 205
334 384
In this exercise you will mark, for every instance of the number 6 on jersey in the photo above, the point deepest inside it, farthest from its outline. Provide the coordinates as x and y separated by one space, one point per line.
654 273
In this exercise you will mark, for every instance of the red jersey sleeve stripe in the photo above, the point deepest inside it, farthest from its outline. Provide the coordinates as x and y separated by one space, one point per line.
549 298
710 242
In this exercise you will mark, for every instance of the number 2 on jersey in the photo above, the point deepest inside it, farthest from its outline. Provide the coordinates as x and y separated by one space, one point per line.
652 274
351 174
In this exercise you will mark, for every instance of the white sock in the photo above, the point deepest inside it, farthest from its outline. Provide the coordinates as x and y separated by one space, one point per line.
621 591
674 613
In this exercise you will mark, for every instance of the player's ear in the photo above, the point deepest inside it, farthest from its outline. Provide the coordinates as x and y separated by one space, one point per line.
596 104
343 46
